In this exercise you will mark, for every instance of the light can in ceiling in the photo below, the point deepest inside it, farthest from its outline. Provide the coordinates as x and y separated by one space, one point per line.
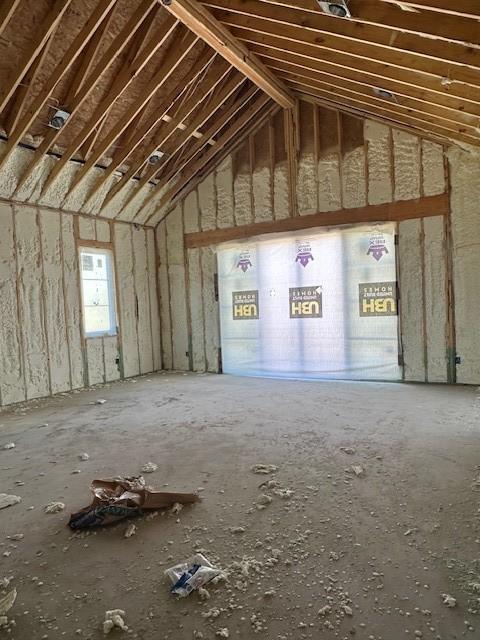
338 9
59 118
156 156
385 94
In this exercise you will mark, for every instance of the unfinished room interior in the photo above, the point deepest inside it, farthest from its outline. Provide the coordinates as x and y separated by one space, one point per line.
239 319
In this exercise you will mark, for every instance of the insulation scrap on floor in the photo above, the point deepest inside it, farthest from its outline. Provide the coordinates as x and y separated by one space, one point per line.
7 601
124 497
7 500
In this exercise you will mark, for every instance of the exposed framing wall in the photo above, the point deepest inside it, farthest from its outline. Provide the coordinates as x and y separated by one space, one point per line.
42 344
343 163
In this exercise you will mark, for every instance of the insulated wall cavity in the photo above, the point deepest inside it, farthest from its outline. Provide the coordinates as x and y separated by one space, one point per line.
465 203
43 346
342 162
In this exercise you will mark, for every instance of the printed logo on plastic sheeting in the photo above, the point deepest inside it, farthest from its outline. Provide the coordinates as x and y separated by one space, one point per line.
244 261
304 252
378 246
378 299
305 302
245 305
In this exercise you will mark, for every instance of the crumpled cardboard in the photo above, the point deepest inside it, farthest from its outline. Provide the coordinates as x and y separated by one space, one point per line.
124 497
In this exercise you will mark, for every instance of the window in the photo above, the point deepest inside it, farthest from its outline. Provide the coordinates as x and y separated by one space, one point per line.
98 292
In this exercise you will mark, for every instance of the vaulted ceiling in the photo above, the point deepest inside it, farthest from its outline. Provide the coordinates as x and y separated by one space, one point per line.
191 79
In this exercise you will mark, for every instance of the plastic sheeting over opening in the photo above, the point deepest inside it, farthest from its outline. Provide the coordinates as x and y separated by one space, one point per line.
321 304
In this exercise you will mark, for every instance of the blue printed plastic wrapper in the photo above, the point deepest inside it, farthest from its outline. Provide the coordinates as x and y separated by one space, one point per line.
191 575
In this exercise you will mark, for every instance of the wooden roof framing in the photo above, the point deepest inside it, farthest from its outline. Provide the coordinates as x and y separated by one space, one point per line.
191 105
192 77
275 31
169 129
46 29
201 22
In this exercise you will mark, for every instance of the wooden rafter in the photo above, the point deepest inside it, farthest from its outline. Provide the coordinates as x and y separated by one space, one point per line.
465 8
88 59
209 134
458 61
134 46
414 125
76 84
387 14
211 80
463 123
46 29
222 151
218 99
19 98
336 67
87 147
223 140
426 52
374 107
329 56
138 134
468 94
201 22
72 54
7 9
173 59
225 91
138 21
177 121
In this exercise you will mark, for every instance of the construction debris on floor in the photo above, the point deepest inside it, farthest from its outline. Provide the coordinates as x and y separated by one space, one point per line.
192 575
299 546
124 497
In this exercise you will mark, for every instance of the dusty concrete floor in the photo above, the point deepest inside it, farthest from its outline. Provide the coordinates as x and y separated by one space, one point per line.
387 545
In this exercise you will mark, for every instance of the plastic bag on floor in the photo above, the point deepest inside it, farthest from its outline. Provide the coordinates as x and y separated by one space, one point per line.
191 575
119 498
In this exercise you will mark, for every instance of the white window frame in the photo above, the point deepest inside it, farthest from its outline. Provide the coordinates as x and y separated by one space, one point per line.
112 294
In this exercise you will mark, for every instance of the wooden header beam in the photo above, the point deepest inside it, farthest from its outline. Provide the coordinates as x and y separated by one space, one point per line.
389 212
199 20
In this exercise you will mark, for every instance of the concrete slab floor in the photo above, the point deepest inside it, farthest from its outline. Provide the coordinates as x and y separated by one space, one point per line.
382 547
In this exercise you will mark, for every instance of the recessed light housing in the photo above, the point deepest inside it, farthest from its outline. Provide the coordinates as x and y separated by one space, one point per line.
156 157
385 94
59 118
338 9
